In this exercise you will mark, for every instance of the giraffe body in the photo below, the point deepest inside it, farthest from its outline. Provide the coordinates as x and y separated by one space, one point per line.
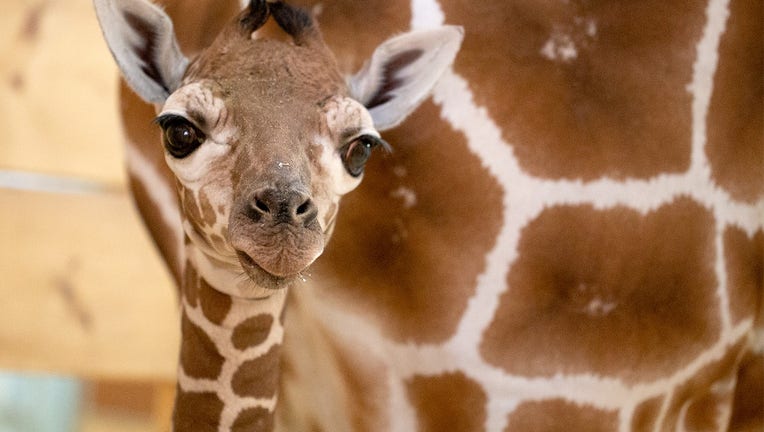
567 235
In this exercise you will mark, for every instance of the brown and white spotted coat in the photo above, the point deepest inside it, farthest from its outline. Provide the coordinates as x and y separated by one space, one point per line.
568 235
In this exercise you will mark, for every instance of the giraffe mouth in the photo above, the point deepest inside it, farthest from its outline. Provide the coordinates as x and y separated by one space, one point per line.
261 277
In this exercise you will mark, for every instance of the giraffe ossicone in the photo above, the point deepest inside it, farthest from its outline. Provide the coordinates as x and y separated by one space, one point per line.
263 137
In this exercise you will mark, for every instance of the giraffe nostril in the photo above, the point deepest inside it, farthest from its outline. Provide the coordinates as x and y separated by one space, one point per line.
282 206
262 206
304 208
306 212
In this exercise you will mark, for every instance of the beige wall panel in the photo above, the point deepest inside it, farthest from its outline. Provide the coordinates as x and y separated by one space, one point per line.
58 87
83 290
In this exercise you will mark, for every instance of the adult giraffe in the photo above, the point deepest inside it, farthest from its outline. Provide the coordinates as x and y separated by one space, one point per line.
569 235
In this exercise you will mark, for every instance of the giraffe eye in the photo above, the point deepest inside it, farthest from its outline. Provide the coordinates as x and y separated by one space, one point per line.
181 137
356 153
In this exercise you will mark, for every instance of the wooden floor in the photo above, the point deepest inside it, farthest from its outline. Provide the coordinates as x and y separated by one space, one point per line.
84 292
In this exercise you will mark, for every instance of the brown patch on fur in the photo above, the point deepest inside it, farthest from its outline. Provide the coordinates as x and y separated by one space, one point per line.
191 208
646 414
447 402
208 213
191 285
703 396
620 108
745 274
560 415
608 292
258 377
315 427
253 420
748 408
198 354
197 30
217 241
394 264
197 412
735 131
252 332
388 18
703 414
215 304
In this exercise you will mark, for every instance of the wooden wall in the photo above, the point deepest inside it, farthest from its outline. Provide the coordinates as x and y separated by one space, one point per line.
82 290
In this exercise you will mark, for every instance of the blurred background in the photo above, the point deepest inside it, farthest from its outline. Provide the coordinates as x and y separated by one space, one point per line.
88 332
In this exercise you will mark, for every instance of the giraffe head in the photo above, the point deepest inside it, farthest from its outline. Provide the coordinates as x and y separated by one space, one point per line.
265 135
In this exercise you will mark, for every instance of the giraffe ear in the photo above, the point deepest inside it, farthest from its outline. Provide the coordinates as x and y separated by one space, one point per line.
402 71
141 39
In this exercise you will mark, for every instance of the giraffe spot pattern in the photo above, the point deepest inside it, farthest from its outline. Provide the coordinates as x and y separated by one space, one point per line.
560 415
191 285
191 209
253 420
735 134
393 281
218 242
748 410
413 315
601 112
646 414
341 39
198 355
709 392
258 377
448 402
208 212
704 413
197 412
608 292
252 332
215 304
745 274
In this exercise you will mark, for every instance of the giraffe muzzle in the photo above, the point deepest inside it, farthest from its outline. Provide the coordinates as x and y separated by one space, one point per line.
271 205
276 231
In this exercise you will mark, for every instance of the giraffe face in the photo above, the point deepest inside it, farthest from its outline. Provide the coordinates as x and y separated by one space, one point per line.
264 135
262 158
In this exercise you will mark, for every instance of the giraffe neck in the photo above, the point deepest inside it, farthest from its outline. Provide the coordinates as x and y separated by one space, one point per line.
229 356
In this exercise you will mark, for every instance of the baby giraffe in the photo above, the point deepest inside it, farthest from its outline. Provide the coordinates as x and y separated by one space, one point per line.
264 136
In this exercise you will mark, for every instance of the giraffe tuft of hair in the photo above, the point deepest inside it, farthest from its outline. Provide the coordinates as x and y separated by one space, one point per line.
296 21
257 16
